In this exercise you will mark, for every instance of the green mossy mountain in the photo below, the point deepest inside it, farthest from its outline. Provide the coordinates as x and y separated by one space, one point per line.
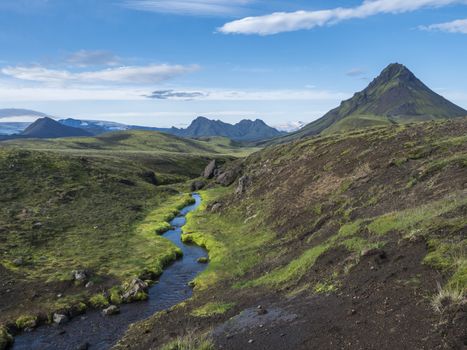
396 96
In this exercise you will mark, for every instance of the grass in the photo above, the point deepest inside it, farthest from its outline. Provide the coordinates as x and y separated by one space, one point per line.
190 342
448 298
232 249
5 339
99 301
26 321
213 308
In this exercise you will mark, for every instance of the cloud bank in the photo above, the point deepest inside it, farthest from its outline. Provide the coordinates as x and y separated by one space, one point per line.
280 22
126 74
189 7
457 26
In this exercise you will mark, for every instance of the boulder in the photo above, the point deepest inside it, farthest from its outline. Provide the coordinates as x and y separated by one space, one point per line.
243 183
216 207
80 275
18 262
228 177
111 310
60 318
134 290
210 170
197 185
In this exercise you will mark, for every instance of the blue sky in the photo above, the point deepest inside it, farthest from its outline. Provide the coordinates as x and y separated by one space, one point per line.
164 62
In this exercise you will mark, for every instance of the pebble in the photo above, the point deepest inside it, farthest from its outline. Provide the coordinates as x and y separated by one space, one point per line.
251 341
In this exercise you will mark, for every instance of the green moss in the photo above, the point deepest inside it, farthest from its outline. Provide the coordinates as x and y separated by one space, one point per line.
324 288
6 339
116 295
190 342
294 270
99 301
140 296
26 321
214 308
216 232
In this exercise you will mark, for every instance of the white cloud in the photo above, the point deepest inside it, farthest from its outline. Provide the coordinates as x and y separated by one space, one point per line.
126 74
190 7
10 93
457 26
291 21
87 58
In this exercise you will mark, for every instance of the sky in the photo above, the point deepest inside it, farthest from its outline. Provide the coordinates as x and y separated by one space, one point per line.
164 62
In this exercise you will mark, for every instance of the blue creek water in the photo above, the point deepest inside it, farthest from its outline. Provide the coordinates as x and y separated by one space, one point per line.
101 332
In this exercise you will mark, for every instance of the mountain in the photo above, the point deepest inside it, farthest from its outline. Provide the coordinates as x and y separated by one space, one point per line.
245 130
48 128
395 96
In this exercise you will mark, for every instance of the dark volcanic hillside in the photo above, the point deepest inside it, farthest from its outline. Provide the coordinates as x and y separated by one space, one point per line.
245 130
347 241
48 128
395 96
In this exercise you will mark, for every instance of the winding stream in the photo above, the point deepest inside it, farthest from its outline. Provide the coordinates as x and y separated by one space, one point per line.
101 332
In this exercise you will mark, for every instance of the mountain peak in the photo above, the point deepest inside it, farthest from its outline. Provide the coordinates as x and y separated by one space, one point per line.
396 96
49 128
395 72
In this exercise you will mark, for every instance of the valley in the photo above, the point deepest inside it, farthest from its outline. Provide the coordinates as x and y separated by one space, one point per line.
347 234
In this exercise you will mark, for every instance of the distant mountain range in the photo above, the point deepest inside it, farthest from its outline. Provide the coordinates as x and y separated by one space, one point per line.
395 96
245 130
45 127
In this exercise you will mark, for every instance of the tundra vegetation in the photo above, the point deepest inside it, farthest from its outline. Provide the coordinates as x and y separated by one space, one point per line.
333 228
80 218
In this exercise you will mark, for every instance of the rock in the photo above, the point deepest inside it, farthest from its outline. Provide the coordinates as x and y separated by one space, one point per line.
80 275
216 207
150 177
18 262
228 177
111 310
209 171
134 289
60 318
262 311
36 225
243 183
197 185
89 284
203 260
251 341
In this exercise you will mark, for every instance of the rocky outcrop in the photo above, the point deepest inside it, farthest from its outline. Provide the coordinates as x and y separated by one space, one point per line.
228 177
111 310
197 185
243 183
60 318
210 170
136 290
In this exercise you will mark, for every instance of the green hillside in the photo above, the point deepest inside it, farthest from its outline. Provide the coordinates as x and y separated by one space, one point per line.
321 236
396 96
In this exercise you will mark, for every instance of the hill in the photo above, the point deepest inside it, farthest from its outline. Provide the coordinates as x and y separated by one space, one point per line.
245 130
333 242
48 128
395 96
